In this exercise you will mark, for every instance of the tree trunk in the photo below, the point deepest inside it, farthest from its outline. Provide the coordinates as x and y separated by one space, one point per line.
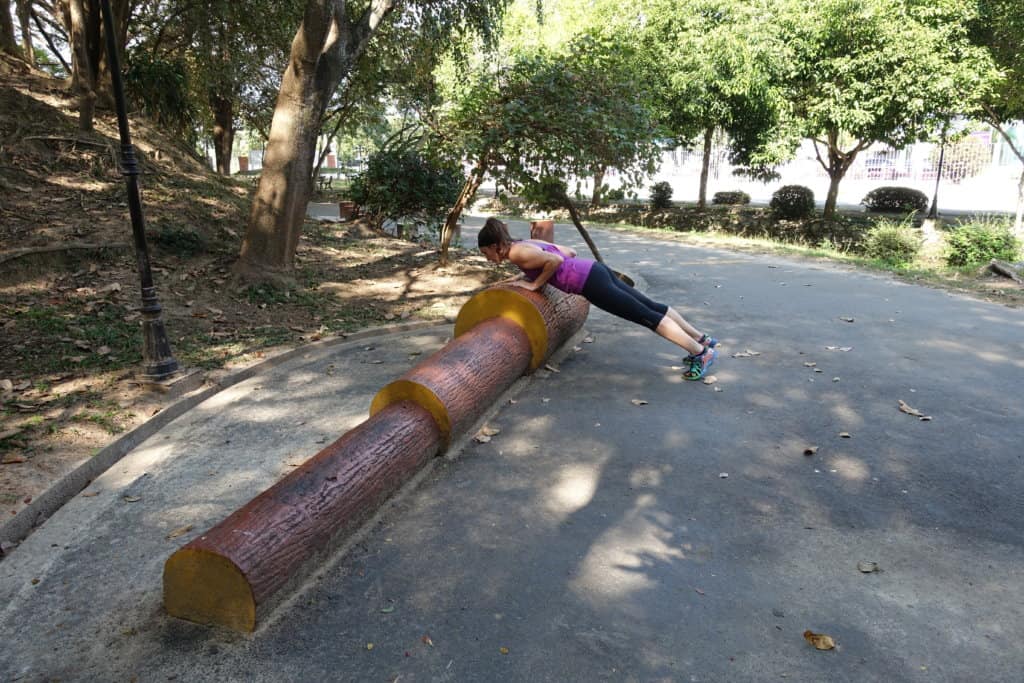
8 43
595 198
223 132
472 184
83 75
833 195
702 197
323 52
571 208
1018 221
24 19
839 163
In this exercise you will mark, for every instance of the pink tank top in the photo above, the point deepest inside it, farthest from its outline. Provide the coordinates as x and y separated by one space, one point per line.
571 274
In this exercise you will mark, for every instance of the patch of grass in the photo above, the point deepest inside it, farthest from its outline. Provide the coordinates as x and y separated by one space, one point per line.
52 338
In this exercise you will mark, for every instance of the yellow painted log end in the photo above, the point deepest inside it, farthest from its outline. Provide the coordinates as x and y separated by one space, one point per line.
505 303
405 390
208 588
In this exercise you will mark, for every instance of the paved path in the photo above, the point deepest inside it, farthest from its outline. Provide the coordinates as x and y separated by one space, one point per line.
593 538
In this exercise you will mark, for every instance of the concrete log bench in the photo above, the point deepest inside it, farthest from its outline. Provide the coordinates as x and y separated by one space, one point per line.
233 574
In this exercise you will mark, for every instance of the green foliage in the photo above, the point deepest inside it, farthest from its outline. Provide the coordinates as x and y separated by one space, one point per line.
615 195
791 202
405 183
713 64
546 194
895 244
893 199
661 195
981 240
735 197
538 112
177 240
159 87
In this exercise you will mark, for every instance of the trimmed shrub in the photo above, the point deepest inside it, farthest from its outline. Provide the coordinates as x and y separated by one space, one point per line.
896 199
736 197
980 241
792 202
661 195
399 184
896 244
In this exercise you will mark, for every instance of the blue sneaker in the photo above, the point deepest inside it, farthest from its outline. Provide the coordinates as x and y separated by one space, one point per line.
707 341
699 364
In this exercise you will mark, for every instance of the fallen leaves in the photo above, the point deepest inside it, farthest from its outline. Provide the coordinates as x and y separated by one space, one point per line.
746 354
13 459
819 640
845 435
843 349
551 368
867 567
904 408
485 434
180 531
639 402
710 379
810 450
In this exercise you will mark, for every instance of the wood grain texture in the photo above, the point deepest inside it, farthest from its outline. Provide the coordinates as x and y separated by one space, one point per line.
269 539
459 382
548 316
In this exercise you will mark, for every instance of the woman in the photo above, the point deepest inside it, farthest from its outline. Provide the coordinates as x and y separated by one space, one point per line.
544 263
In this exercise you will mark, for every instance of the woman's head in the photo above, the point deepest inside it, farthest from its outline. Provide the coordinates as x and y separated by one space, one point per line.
494 240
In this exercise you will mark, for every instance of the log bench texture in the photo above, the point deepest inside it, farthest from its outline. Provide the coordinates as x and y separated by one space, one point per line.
232 574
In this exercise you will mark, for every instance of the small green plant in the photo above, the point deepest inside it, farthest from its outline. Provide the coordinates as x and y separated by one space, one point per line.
792 202
895 199
895 244
661 195
180 241
734 197
615 195
981 240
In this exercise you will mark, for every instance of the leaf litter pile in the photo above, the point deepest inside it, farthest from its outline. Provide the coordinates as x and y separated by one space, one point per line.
69 286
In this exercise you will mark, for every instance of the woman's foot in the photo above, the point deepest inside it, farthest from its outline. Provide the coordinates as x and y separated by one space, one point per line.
699 364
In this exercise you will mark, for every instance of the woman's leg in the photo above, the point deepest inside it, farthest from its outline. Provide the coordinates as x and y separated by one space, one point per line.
625 302
670 312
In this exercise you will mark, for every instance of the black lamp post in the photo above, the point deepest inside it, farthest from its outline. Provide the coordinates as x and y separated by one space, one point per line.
159 362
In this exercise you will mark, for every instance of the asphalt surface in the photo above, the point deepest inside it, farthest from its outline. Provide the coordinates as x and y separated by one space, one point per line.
688 538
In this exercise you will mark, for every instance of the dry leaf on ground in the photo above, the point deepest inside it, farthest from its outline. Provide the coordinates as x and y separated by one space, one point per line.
819 640
551 368
904 408
746 354
181 530
638 402
845 435
846 318
867 567
810 450
710 379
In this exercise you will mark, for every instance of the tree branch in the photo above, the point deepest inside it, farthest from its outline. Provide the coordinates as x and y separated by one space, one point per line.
994 120
49 42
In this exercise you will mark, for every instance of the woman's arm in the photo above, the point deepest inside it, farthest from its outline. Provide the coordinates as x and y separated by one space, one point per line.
529 257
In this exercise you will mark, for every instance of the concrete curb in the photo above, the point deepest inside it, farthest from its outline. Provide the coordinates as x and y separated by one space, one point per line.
42 507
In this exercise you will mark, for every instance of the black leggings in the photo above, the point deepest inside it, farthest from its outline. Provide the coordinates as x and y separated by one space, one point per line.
611 294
